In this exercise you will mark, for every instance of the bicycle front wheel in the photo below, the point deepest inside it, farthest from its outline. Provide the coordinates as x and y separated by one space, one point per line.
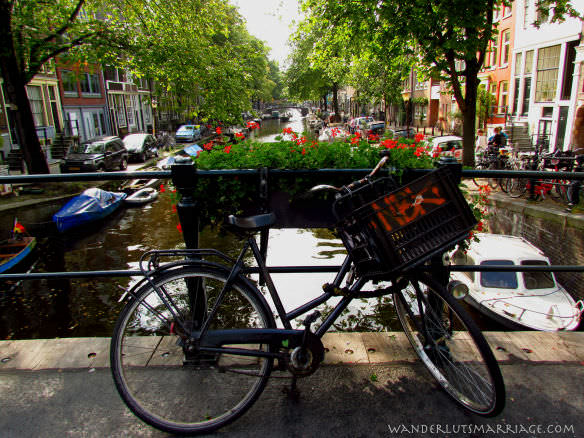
451 346
170 386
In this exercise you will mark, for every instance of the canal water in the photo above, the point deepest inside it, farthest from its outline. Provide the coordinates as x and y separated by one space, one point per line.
89 307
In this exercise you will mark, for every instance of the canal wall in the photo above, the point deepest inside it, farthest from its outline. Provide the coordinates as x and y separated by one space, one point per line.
558 233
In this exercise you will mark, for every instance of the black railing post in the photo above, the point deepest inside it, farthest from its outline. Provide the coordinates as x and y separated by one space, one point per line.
454 166
185 180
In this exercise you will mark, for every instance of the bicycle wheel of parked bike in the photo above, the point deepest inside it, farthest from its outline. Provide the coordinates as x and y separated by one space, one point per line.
451 346
172 387
516 187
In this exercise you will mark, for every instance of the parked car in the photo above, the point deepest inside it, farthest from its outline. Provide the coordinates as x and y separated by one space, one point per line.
359 123
188 133
447 146
97 154
403 132
374 128
141 146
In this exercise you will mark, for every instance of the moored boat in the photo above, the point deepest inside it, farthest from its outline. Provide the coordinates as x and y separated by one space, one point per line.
15 250
134 185
518 300
141 197
93 204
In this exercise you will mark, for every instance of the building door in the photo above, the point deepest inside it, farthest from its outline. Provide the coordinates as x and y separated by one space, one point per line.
544 130
562 124
89 125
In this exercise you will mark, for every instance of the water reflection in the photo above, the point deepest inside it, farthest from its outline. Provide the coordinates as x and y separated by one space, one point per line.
271 128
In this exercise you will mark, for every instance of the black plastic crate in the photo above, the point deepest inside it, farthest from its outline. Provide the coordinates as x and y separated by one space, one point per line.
386 231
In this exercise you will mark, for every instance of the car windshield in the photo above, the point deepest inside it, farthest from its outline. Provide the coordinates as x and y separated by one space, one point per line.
502 280
88 148
449 145
537 280
186 128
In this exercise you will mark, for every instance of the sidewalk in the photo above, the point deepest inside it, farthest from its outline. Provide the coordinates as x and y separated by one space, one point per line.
370 381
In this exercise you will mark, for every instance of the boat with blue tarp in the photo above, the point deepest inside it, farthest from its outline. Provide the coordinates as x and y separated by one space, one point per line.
93 204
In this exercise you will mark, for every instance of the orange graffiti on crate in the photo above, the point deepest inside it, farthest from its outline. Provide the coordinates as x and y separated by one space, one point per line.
401 208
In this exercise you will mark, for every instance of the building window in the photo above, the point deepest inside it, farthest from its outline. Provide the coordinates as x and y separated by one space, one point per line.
90 83
506 11
69 82
526 4
120 110
529 62
35 97
548 60
516 96
569 69
495 53
526 93
503 95
518 59
506 47
130 110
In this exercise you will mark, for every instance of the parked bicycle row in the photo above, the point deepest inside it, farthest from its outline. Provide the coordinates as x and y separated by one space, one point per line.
561 189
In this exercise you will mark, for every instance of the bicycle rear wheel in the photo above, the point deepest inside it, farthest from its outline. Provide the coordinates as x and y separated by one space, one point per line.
170 387
451 346
516 187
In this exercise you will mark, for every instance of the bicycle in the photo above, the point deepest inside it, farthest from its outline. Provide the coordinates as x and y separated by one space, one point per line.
196 342
494 160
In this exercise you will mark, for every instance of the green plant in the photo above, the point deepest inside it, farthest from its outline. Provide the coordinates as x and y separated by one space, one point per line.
234 194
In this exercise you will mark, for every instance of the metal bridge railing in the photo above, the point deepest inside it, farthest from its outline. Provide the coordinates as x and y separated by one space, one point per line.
185 175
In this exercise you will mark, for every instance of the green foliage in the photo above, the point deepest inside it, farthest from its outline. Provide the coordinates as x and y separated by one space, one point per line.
234 194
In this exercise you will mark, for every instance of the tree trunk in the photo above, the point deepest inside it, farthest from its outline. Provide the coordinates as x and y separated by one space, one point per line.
15 89
336 99
469 116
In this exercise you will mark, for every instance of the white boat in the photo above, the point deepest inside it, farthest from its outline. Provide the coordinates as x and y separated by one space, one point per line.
518 300
142 196
134 185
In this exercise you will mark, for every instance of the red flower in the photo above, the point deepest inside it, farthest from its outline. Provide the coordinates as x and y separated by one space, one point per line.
418 137
373 137
252 125
303 151
227 149
174 208
162 189
208 146
239 135
287 131
389 144
480 226
218 130
179 228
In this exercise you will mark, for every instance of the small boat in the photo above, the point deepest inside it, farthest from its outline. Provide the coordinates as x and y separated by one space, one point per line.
15 250
134 185
141 197
93 204
517 300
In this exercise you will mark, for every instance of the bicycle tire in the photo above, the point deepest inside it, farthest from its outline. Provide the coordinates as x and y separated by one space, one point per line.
174 392
517 187
493 182
474 381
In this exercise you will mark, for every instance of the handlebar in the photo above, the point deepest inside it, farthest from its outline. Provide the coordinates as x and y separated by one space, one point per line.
354 184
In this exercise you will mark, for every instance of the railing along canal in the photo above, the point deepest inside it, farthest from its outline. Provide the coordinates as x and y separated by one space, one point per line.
185 176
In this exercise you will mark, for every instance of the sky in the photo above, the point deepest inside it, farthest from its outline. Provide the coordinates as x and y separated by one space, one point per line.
271 21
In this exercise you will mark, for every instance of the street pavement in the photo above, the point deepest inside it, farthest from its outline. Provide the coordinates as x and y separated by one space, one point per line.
337 401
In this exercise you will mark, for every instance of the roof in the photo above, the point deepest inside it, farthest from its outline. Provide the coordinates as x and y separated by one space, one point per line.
503 247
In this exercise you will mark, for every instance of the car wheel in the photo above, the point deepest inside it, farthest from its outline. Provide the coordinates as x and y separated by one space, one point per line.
142 157
124 164
101 168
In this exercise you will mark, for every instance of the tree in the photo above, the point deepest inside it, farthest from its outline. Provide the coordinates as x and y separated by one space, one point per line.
449 38
32 32
198 52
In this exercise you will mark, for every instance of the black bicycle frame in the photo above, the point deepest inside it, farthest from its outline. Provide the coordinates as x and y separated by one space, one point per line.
213 340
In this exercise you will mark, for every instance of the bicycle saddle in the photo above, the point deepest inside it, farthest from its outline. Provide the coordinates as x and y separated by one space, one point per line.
252 222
